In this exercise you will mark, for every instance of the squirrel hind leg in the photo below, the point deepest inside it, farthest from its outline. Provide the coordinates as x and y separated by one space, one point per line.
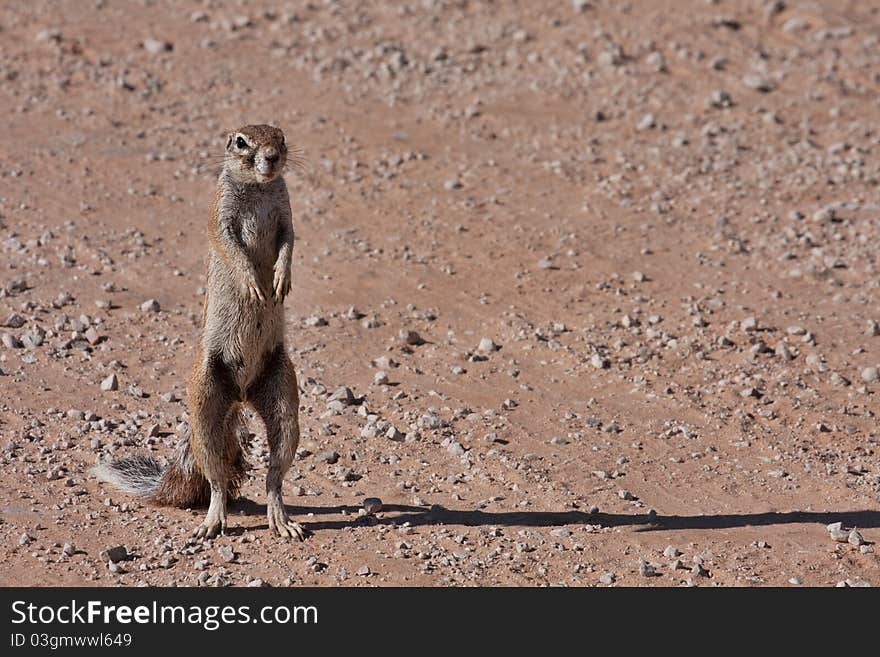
275 397
215 446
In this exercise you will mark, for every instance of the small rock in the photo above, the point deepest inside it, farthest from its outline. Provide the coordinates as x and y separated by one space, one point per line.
646 122
14 321
10 341
92 335
855 538
607 578
155 47
646 569
372 505
671 552
363 571
455 448
757 82
380 378
327 456
838 534
699 570
487 345
411 337
110 383
343 394
150 306
870 375
114 554
226 553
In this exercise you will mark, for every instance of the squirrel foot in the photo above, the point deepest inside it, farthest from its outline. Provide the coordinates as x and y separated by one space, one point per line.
281 524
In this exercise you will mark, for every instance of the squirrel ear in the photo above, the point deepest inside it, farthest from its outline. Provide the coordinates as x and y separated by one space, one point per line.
229 140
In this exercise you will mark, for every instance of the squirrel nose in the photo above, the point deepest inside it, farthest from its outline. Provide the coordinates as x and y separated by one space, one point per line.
271 156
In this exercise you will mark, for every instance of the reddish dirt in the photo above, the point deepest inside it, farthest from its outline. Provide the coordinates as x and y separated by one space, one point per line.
666 215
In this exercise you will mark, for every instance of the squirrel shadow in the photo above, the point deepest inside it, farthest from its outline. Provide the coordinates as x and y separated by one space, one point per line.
398 514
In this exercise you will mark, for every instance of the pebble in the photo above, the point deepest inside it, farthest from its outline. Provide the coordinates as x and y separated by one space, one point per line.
92 335
155 46
454 183
560 532
607 578
344 395
671 552
115 553
226 553
411 337
25 539
699 570
455 448
392 433
646 122
757 82
68 549
150 306
363 571
871 375
838 533
855 538
372 505
110 383
14 321
487 346
327 456
380 378
10 341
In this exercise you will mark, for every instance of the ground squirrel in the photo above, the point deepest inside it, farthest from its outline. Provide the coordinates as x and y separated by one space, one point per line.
242 356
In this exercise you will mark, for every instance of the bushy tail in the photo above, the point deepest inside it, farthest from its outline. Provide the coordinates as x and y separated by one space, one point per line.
181 483
138 475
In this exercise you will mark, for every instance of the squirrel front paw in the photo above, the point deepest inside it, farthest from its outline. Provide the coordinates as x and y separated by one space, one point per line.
253 289
281 283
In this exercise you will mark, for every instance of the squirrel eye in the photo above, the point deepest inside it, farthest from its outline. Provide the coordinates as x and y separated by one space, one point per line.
240 143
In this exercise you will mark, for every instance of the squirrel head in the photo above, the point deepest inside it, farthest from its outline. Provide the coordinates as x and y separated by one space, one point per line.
255 154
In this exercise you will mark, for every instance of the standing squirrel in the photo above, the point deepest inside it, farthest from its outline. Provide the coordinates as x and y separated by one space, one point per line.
242 356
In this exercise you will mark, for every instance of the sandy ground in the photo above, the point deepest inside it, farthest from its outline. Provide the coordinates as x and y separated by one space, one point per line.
664 215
